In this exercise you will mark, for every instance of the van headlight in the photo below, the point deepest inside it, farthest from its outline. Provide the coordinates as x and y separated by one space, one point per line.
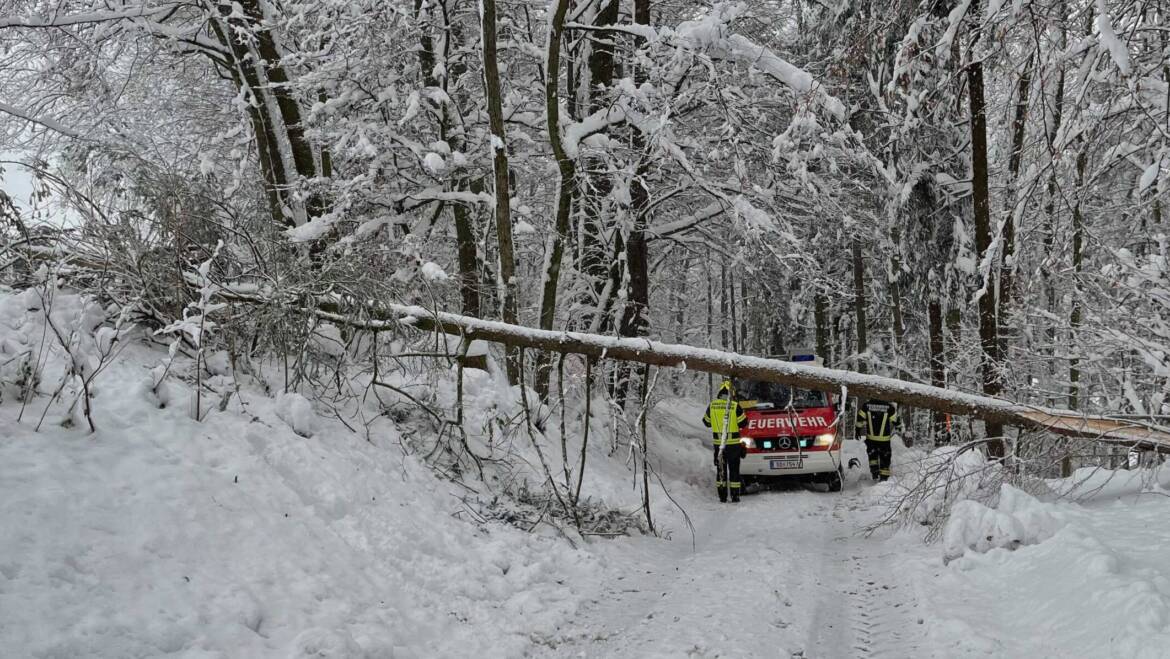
826 439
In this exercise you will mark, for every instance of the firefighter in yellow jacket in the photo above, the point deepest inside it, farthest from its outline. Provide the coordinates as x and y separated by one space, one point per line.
725 409
877 420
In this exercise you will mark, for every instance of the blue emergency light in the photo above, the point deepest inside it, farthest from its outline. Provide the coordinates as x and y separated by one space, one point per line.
807 356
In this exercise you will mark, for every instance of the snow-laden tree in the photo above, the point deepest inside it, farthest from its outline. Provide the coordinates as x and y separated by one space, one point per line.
952 191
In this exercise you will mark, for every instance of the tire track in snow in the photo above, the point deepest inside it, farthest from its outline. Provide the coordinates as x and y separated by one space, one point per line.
879 609
795 579
654 586
882 617
743 592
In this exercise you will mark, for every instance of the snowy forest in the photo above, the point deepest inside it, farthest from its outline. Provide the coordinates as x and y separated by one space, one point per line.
217 213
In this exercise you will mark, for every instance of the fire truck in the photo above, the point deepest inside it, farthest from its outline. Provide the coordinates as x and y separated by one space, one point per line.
790 433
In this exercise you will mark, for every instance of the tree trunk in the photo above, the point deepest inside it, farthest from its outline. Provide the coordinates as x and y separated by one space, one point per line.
682 300
597 230
506 275
1008 292
1008 298
859 300
896 290
938 373
724 309
820 312
988 339
634 320
1050 200
1074 319
954 322
744 315
326 157
277 83
710 317
393 317
565 188
1077 257
271 165
681 303
732 307
644 448
468 255
264 124
462 214
776 338
565 165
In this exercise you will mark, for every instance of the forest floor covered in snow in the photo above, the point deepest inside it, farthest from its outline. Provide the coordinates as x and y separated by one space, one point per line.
235 537
239 536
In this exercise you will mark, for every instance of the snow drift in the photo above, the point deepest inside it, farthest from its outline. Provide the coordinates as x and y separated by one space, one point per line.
1018 519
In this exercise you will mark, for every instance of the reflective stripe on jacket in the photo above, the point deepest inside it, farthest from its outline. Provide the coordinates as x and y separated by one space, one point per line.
713 419
878 420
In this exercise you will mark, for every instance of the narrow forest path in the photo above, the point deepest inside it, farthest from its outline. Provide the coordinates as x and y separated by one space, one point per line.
782 574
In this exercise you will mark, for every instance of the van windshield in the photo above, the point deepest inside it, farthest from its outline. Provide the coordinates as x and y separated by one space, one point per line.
777 395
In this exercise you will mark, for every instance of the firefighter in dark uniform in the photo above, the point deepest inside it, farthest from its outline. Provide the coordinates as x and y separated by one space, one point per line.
726 409
878 420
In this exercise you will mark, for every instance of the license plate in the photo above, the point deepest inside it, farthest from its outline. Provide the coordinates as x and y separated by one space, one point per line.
786 463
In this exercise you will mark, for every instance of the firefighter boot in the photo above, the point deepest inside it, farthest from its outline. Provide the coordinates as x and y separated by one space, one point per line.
722 489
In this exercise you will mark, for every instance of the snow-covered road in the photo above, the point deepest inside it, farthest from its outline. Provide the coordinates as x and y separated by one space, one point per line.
782 574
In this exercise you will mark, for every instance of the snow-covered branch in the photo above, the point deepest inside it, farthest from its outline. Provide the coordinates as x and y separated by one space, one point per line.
51 124
666 229
84 18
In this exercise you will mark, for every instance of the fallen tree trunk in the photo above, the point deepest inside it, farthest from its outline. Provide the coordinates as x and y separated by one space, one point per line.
386 317
644 351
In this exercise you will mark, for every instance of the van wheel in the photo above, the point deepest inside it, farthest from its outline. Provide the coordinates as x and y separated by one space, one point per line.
835 481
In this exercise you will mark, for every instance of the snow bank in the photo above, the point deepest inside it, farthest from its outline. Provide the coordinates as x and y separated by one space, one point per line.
1096 483
1091 575
239 537
1097 587
1018 520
